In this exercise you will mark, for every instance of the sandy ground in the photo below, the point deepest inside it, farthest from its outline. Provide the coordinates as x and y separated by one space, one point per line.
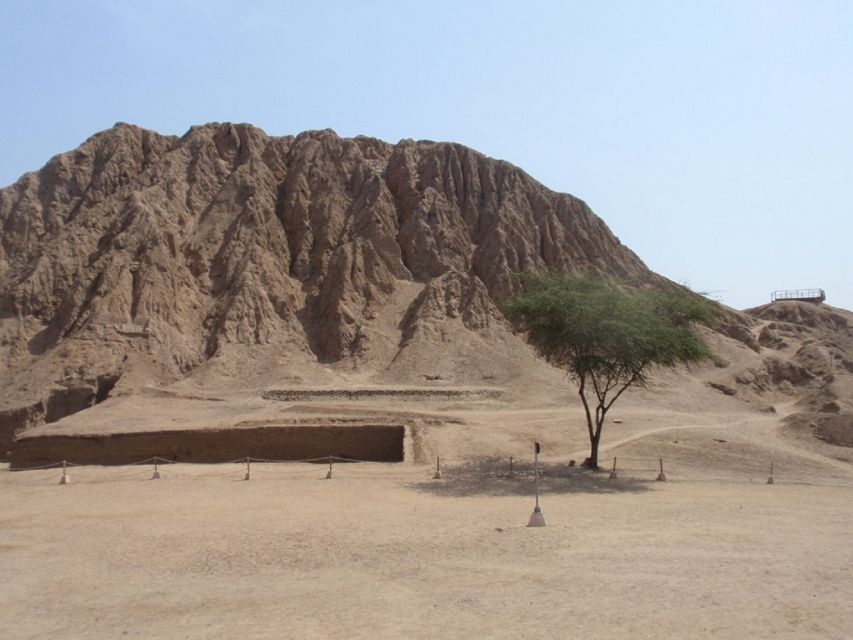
383 551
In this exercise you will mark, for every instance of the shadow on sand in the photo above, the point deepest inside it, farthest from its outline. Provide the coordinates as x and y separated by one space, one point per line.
490 476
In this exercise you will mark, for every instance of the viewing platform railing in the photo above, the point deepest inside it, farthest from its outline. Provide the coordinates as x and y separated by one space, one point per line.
806 295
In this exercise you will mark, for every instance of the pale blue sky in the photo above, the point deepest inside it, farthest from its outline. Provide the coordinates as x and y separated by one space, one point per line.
714 138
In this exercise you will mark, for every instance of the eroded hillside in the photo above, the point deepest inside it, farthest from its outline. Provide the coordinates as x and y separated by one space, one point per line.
140 258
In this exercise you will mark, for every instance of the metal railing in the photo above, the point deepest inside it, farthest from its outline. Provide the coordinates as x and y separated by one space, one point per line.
810 295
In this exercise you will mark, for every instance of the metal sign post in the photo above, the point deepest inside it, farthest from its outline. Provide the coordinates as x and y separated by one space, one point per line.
537 518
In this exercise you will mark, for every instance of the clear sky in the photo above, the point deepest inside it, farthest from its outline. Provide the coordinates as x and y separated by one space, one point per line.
714 138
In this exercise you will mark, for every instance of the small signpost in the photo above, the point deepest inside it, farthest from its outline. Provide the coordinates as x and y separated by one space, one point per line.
537 518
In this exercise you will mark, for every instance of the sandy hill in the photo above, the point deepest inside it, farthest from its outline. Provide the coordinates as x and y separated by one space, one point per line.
229 260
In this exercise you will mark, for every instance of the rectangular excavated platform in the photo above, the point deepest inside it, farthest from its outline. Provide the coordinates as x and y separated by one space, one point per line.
375 443
367 424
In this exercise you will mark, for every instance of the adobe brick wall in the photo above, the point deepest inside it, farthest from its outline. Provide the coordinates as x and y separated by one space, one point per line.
377 443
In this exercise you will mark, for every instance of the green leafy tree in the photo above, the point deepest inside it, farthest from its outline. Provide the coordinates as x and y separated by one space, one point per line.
609 338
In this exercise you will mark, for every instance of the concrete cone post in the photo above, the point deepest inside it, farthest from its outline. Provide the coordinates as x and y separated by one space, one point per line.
661 475
248 469
613 475
537 518
770 479
437 475
329 473
65 479
156 474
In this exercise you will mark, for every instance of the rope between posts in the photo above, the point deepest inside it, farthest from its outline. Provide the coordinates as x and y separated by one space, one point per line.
271 460
242 460
343 459
323 459
52 465
489 468
160 460
146 461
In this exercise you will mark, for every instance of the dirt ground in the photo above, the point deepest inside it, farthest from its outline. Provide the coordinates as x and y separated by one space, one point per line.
384 551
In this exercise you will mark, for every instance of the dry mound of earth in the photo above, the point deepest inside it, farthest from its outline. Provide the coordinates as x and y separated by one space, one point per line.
227 260
228 254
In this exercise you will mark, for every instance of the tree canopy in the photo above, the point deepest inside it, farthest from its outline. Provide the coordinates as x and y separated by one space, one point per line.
609 337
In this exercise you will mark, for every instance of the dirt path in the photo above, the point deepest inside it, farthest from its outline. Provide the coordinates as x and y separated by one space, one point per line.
765 433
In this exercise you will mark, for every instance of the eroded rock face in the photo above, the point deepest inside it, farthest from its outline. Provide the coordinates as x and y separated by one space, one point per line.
452 295
794 316
138 247
803 356
140 258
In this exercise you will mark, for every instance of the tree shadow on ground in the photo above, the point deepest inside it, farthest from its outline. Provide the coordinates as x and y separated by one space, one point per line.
490 476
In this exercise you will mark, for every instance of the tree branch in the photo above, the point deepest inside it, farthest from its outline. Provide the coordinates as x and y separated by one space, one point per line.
634 377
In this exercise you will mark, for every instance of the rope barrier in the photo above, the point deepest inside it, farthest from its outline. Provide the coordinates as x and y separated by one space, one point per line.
146 461
52 465
343 459
312 460
160 461
483 468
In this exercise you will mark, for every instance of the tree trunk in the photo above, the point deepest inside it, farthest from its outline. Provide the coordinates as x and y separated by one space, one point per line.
595 435
592 462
